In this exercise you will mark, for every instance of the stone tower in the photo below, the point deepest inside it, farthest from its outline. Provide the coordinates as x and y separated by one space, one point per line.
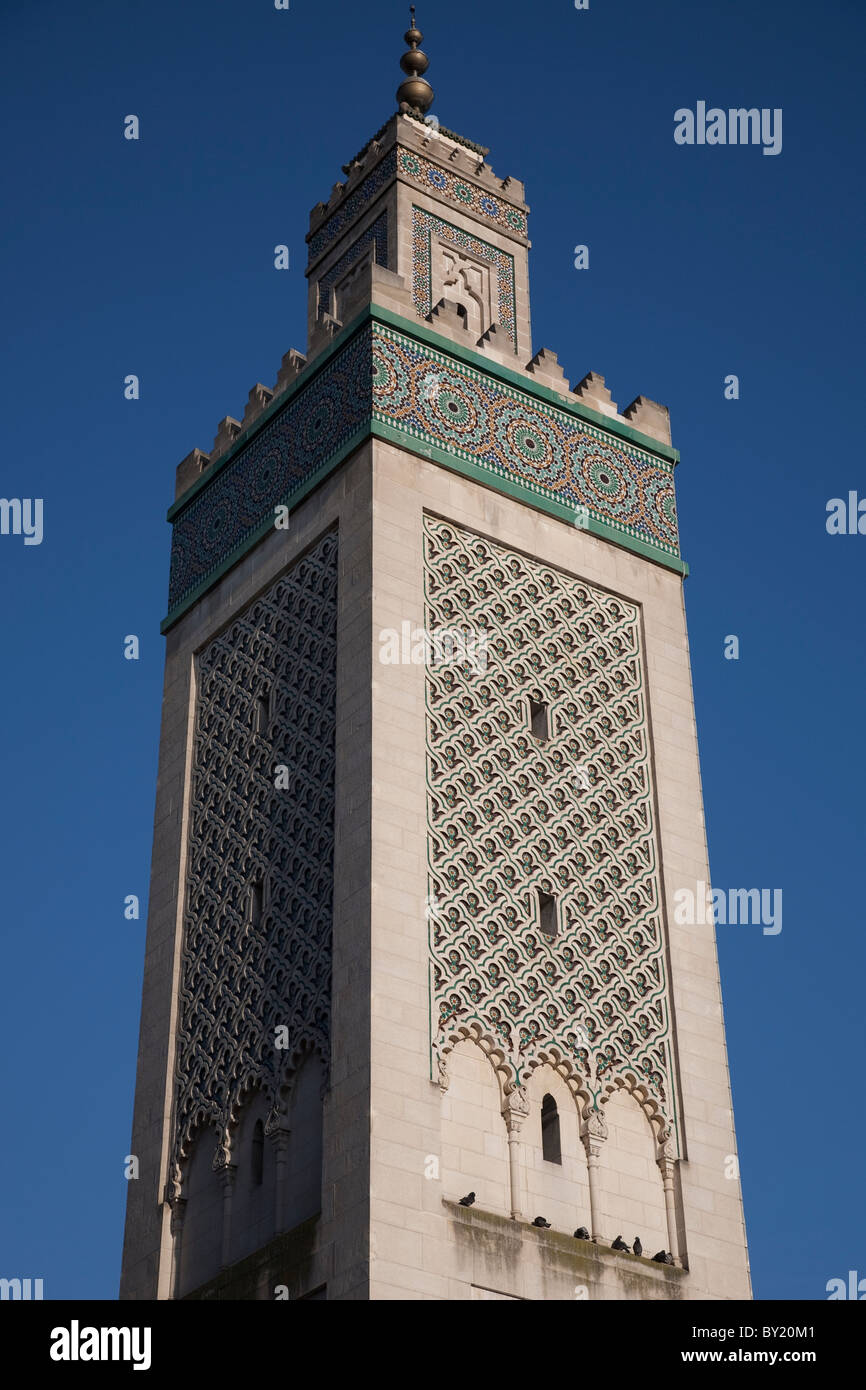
428 784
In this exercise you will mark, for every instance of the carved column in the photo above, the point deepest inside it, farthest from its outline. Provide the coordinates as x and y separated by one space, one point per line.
515 1109
178 1211
227 1171
277 1130
666 1163
593 1133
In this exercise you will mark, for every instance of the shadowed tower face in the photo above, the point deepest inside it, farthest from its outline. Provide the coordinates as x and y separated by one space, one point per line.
428 786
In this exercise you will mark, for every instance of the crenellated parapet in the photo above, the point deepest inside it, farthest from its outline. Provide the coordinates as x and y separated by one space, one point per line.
435 392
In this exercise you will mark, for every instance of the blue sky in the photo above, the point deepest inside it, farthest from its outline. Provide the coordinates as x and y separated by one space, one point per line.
156 257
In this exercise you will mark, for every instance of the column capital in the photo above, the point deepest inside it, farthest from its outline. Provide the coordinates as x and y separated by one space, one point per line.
593 1132
515 1108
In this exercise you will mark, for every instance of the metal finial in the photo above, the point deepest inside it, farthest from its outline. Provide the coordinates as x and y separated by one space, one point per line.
415 94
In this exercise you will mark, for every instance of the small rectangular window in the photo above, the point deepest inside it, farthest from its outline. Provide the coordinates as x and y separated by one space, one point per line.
257 902
547 913
263 712
539 720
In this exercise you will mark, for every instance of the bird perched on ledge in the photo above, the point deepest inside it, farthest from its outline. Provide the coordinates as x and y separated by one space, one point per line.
582 1233
540 1221
619 1244
467 1200
637 1247
661 1257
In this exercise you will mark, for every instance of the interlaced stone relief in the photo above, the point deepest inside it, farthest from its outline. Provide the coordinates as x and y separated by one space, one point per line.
517 819
257 930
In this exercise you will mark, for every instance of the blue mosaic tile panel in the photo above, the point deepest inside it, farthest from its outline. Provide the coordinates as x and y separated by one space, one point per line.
425 224
353 206
377 233
447 184
289 450
437 399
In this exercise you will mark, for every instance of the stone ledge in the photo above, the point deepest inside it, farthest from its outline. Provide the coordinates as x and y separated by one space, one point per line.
293 1258
493 1237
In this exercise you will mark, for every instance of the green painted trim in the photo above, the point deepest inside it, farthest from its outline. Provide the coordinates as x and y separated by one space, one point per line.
528 388
293 500
391 434
473 359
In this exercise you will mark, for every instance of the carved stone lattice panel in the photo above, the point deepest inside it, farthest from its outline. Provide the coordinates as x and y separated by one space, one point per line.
257 930
512 815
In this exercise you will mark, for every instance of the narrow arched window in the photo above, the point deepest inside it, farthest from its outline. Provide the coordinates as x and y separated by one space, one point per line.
551 1149
258 1154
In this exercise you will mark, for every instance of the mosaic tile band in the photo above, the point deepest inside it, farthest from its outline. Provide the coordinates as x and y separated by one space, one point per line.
389 382
460 191
294 444
354 204
438 399
443 182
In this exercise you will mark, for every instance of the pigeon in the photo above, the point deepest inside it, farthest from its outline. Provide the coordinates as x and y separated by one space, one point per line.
637 1247
619 1244
581 1233
540 1221
661 1257
467 1200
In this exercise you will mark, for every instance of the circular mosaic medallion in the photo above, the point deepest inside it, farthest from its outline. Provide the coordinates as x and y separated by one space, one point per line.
263 477
217 525
448 408
384 373
529 439
318 422
609 485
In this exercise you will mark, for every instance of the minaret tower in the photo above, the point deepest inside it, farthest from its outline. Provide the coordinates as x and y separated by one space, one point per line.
428 785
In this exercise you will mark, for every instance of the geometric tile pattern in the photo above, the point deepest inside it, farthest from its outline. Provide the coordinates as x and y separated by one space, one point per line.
421 171
282 457
377 232
243 975
389 382
349 210
460 191
572 817
425 224
438 399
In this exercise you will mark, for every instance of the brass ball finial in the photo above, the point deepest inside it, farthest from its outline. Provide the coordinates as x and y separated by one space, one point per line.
415 94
